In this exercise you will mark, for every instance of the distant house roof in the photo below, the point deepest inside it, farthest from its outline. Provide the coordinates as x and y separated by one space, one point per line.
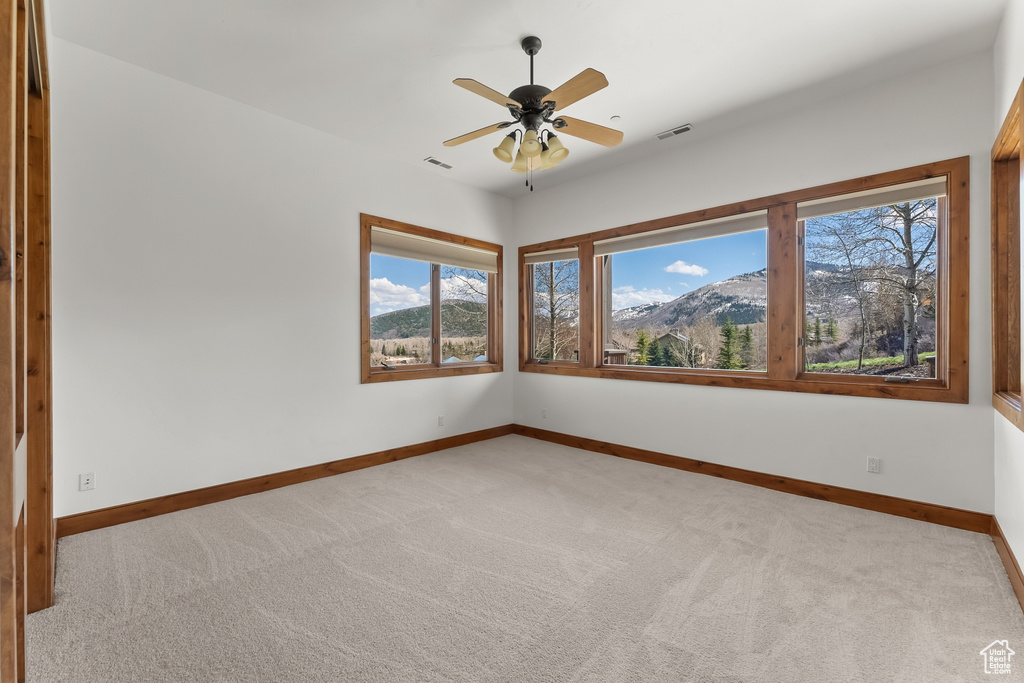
481 357
452 359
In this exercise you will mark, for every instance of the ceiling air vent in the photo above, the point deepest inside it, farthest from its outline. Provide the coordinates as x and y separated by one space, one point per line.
437 162
679 130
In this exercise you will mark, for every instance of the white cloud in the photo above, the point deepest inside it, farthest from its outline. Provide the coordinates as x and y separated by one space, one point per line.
628 296
386 296
464 289
686 269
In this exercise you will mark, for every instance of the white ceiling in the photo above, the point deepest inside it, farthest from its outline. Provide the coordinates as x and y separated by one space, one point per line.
379 72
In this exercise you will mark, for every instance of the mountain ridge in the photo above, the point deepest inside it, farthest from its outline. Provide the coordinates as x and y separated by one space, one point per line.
459 319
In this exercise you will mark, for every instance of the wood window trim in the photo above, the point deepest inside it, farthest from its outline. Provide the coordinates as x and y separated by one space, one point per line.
370 374
785 296
589 321
1006 264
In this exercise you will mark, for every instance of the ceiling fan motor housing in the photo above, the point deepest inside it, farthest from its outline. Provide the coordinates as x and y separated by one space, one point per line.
534 111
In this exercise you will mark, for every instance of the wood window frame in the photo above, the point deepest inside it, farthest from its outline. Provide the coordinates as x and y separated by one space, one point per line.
586 317
1006 264
435 368
785 371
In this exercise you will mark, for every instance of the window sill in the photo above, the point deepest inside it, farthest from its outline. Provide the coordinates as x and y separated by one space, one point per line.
1009 406
379 374
933 390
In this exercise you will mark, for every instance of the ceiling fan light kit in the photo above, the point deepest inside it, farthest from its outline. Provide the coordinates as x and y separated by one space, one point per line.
504 150
530 144
558 151
520 165
533 107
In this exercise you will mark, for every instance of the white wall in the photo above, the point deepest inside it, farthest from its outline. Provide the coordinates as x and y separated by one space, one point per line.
206 278
945 456
1009 58
1009 441
205 289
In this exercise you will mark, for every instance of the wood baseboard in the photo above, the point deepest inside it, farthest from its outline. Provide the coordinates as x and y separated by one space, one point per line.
926 512
130 512
1009 561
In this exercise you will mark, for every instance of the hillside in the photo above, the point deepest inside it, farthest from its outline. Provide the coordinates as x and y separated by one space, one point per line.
742 298
460 319
623 314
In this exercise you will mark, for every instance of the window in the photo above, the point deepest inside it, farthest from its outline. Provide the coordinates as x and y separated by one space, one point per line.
431 302
694 296
858 288
1006 265
555 305
871 280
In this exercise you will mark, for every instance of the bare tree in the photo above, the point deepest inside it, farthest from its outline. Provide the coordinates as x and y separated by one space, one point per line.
556 309
834 240
905 242
463 312
885 260
705 336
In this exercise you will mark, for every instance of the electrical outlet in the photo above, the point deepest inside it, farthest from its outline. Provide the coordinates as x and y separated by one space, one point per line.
87 481
875 465
544 413
440 420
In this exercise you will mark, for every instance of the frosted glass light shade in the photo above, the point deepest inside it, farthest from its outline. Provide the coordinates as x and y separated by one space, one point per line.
545 158
531 145
558 151
520 165
504 150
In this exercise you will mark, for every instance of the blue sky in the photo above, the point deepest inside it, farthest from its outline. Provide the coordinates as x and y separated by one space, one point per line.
397 283
664 273
638 277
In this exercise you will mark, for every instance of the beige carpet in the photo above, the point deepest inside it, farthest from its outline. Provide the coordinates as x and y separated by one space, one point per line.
518 560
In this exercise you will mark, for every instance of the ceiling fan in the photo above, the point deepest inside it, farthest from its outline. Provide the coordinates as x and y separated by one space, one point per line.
533 107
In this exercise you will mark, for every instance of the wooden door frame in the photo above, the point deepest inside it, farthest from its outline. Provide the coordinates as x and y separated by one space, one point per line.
26 503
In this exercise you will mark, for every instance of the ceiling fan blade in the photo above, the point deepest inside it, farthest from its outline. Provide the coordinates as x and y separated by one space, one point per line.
586 82
476 134
609 137
483 91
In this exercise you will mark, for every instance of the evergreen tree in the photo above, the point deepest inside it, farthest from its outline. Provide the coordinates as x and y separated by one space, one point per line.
817 331
642 343
832 330
747 347
728 353
654 350
669 358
